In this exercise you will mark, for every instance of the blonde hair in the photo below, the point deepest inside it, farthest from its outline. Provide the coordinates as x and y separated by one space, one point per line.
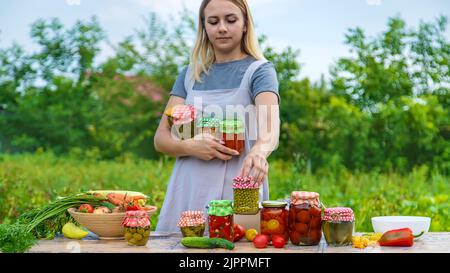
203 54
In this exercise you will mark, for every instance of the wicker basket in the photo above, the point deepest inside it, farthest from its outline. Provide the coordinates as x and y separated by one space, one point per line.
106 226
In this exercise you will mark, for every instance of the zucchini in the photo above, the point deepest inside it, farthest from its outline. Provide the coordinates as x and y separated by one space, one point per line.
205 242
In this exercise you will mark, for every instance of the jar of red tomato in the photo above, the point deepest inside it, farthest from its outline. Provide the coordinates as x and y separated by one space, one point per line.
233 134
305 218
220 218
274 219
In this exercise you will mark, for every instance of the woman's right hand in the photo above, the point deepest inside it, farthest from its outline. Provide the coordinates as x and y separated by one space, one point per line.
208 147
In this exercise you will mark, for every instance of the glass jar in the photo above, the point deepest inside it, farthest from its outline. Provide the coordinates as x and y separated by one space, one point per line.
137 227
182 120
192 223
233 134
220 218
274 219
305 218
245 195
337 225
207 125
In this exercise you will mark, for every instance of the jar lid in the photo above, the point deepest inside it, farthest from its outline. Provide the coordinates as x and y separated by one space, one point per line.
339 214
220 207
301 197
208 122
182 114
247 182
191 218
136 218
232 126
274 204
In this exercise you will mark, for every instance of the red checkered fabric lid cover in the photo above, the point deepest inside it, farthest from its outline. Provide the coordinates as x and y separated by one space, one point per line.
247 182
339 214
182 114
136 218
302 197
191 218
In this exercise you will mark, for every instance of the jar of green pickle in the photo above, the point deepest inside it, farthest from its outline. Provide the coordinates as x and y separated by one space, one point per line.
338 224
137 227
192 223
208 125
246 195
181 119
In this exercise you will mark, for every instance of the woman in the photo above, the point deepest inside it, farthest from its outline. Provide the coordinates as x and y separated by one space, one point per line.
227 69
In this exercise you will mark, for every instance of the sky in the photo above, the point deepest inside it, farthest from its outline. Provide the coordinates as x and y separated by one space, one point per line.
315 27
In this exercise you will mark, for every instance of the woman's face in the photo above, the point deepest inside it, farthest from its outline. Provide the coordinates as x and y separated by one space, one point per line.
224 24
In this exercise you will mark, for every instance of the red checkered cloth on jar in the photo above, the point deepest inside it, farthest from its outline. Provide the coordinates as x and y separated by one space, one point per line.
191 218
339 214
136 218
247 182
305 197
183 114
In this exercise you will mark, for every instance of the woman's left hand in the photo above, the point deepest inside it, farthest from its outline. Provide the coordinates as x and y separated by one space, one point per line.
255 165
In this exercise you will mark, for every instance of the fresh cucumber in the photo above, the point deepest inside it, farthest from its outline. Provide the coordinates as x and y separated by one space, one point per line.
205 242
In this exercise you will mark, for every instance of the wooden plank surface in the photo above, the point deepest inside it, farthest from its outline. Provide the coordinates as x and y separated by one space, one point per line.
436 242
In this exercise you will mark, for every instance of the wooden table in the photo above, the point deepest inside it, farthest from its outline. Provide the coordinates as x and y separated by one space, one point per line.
436 242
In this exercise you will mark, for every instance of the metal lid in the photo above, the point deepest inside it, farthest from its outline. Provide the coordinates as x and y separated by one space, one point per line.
274 204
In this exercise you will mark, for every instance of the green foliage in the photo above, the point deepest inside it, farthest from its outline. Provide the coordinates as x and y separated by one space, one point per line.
15 238
386 107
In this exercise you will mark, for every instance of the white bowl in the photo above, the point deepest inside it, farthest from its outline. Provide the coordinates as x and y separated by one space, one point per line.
417 224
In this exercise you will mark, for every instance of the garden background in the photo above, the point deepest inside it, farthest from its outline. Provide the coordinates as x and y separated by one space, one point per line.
373 135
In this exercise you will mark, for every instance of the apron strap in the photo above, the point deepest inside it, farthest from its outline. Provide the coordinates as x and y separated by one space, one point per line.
246 80
189 80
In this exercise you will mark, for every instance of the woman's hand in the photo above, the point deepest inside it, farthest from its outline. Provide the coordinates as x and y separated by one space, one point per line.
208 147
255 165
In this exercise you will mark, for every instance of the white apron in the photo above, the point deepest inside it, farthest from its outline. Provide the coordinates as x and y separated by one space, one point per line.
195 182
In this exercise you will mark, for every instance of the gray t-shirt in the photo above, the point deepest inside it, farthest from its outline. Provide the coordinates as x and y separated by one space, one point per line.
229 75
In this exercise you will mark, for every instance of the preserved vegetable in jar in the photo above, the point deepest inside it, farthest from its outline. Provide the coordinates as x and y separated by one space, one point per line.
305 218
181 119
192 223
338 225
233 134
137 227
274 219
208 125
220 218
245 195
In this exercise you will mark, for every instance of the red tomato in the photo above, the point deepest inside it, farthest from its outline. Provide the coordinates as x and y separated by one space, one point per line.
261 241
295 237
316 222
278 241
315 235
86 208
239 232
303 216
301 227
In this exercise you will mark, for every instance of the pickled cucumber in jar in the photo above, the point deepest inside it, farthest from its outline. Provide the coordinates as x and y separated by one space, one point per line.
192 223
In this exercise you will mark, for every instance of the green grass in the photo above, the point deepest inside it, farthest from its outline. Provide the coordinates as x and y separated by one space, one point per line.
28 181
